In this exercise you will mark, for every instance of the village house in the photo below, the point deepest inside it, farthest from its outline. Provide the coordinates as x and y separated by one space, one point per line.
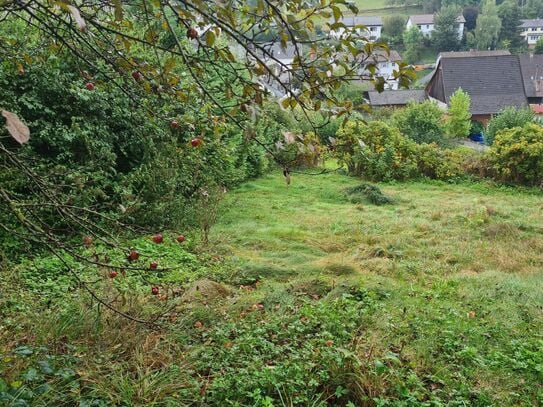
373 26
425 23
386 63
531 67
492 79
532 30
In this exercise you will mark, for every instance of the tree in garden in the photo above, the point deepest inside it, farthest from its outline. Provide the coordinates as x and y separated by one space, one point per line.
458 122
413 41
421 122
195 68
510 15
445 35
470 13
488 26
393 28
508 118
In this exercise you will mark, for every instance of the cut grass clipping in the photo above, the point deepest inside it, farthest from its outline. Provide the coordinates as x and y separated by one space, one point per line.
368 193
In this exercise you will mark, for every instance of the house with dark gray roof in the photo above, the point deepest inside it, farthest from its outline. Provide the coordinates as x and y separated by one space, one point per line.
531 30
372 26
531 67
493 82
396 98
425 23
474 53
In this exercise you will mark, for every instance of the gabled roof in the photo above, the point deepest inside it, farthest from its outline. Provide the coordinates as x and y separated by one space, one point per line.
429 19
368 21
351 21
473 53
532 74
537 22
396 97
381 55
493 82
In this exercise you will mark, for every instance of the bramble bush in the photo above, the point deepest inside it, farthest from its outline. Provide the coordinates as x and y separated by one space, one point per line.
441 163
376 150
379 152
507 119
517 155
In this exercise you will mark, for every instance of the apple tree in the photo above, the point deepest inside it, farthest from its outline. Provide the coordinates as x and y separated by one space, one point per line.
201 65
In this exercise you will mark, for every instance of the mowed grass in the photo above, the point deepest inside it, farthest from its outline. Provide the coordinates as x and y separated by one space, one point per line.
434 300
457 269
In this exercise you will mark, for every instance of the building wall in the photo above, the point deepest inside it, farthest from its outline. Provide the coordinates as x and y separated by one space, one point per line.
481 118
427 29
532 34
386 70
372 32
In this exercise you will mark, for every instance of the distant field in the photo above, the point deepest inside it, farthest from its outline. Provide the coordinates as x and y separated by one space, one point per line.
370 4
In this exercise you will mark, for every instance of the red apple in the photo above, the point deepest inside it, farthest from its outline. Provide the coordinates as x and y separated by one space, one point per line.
158 238
137 75
153 265
180 238
90 86
192 33
112 274
155 290
195 142
174 124
133 255
87 240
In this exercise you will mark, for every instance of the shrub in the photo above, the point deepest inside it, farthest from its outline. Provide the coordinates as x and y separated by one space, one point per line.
517 155
438 163
507 119
421 122
476 128
376 151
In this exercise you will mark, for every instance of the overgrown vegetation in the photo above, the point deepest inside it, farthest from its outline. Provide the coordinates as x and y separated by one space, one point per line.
172 235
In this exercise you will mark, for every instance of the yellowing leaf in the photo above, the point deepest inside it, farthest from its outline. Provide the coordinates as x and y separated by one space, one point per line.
118 10
210 38
77 17
16 128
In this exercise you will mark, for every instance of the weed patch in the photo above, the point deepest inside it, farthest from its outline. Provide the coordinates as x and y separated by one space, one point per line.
368 193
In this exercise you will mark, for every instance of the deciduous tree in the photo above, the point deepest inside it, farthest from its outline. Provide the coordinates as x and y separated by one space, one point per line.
458 122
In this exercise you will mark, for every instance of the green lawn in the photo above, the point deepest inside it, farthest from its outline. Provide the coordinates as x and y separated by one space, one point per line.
433 300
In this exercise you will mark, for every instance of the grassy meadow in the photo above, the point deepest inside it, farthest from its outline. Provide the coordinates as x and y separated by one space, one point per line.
324 299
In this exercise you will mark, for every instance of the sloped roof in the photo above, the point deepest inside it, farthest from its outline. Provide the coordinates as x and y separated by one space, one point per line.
474 53
537 22
381 55
368 21
493 82
351 21
532 74
429 19
396 97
